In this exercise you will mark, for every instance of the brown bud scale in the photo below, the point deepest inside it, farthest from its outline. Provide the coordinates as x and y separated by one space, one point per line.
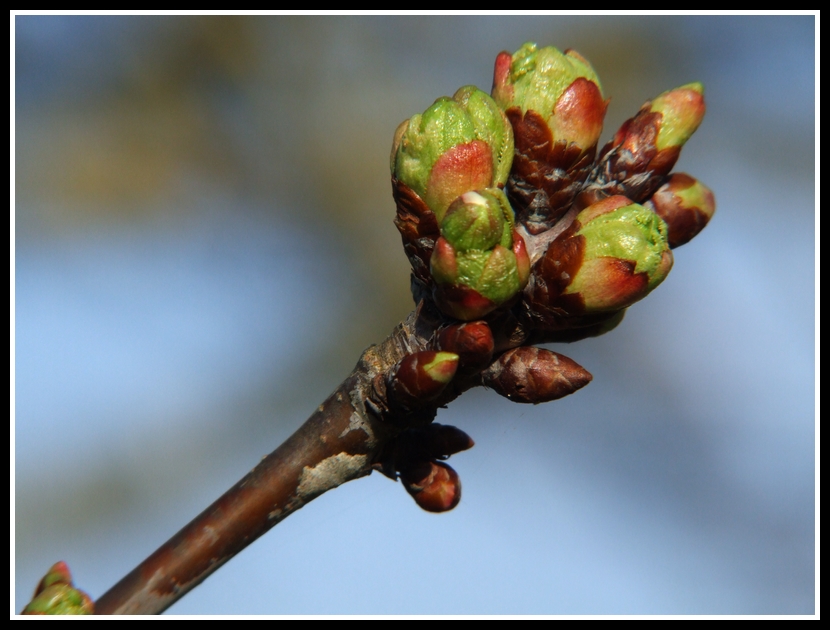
433 441
551 275
546 175
630 163
418 227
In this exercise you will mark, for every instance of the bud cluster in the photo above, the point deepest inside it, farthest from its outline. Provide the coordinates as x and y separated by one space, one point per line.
518 232
449 166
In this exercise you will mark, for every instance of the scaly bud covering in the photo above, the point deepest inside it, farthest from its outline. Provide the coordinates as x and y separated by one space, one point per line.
612 255
471 341
554 102
636 161
419 378
480 262
685 205
55 595
534 375
458 144
434 441
434 485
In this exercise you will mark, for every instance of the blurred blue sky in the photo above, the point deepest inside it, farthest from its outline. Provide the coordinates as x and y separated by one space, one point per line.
204 245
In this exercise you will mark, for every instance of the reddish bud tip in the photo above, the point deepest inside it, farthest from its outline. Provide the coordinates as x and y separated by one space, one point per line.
57 574
502 89
434 486
55 595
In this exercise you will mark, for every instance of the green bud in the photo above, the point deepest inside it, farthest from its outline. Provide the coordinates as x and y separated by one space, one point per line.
626 256
458 144
479 220
682 110
636 161
554 102
561 87
480 262
613 255
55 595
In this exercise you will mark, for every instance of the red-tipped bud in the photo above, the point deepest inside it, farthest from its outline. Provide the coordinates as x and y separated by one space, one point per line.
685 205
555 105
613 255
643 151
55 595
471 341
535 375
434 486
57 574
419 378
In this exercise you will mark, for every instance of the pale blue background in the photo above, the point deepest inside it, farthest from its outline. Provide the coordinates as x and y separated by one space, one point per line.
204 245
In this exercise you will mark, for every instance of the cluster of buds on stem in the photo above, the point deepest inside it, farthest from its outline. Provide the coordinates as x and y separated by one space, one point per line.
518 232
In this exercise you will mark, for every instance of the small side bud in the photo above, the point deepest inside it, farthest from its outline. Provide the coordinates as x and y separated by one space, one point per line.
419 378
55 595
471 341
435 486
534 375
685 205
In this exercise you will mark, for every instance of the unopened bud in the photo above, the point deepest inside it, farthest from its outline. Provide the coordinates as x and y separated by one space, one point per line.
435 486
55 595
419 378
682 111
480 262
685 205
458 144
613 255
534 375
555 105
562 88
643 151
471 341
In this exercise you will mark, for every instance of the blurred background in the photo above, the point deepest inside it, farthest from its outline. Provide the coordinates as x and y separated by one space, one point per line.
204 246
